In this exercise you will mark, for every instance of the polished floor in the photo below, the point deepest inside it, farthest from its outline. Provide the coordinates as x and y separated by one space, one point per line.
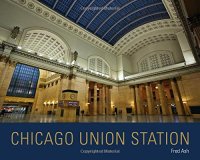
21 118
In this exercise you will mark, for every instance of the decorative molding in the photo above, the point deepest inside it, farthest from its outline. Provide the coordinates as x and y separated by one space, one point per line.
45 12
137 45
18 56
170 9
140 32
158 76
45 43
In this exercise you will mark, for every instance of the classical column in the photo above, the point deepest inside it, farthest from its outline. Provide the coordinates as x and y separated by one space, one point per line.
8 71
100 101
138 100
95 100
39 99
177 97
132 88
150 102
103 100
4 66
109 100
86 96
163 101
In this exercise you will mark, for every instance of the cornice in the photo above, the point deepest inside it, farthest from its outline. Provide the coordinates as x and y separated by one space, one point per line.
18 56
166 74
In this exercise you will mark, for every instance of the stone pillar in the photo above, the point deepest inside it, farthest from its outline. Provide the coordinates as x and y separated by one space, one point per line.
38 104
87 97
138 100
106 100
5 81
177 98
41 100
100 101
103 100
95 100
133 103
109 100
150 102
163 101
4 66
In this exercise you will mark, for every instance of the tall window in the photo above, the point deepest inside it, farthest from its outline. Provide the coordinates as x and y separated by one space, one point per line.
155 60
99 65
24 81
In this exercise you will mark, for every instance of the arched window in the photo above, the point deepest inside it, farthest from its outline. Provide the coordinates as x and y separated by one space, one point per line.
24 81
46 44
154 60
99 65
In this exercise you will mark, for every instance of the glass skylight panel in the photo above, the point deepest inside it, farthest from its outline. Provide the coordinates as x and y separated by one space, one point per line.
84 18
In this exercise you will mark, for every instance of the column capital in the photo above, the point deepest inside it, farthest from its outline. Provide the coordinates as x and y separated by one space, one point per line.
160 82
8 48
137 85
87 81
175 79
95 84
131 86
12 63
71 76
147 84
110 87
178 78
62 76
4 58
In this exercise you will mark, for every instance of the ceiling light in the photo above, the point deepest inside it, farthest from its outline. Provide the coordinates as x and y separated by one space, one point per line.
19 47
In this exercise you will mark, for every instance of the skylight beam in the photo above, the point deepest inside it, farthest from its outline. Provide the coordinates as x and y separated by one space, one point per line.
56 2
151 5
135 22
99 13
70 8
84 11
114 14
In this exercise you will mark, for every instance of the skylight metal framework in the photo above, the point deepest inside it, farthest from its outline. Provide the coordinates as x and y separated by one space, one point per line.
109 19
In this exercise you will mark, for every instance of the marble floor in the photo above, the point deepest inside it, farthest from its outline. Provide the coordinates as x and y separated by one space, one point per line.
21 118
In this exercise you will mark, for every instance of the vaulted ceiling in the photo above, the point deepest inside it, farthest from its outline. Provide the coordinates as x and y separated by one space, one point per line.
110 20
